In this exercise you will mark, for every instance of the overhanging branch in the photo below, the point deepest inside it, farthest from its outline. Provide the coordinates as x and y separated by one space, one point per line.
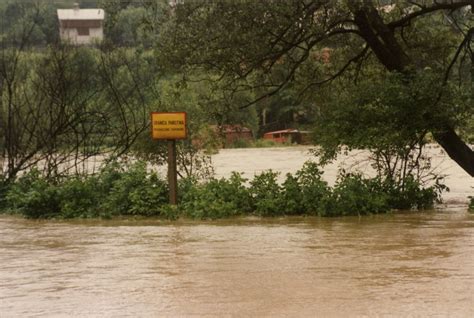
356 58
425 10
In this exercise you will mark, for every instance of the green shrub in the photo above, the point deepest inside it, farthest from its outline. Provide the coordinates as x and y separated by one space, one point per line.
134 192
116 190
237 192
313 187
303 193
170 212
149 197
34 197
266 194
217 198
122 189
354 195
471 204
291 196
108 175
265 143
79 197
241 143
412 195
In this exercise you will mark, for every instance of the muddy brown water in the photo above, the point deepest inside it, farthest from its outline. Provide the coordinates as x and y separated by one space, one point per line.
411 264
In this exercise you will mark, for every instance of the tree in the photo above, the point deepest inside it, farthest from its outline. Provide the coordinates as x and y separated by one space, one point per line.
266 45
206 108
132 23
61 105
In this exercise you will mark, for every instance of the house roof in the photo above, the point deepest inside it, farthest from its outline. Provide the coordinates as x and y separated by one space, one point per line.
81 14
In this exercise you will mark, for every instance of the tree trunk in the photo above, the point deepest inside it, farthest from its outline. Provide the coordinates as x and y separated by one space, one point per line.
382 41
456 149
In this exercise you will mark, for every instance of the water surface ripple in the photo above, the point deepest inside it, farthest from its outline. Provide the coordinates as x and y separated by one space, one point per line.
409 264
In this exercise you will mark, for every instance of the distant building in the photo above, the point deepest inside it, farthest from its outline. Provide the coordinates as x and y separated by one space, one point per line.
288 136
234 133
81 26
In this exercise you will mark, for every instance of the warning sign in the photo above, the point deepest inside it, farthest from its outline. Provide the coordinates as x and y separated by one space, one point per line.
168 125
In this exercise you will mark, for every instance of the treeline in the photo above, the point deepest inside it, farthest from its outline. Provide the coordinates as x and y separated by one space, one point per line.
62 106
139 25
127 23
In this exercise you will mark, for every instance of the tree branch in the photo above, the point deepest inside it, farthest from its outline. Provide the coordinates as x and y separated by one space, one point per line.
338 73
464 43
425 10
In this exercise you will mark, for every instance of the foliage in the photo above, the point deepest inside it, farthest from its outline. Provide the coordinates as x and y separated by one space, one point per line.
259 143
64 105
170 212
355 195
132 23
35 20
378 113
471 204
34 197
123 189
241 143
313 188
411 195
291 196
191 161
370 78
79 197
205 106
217 198
208 139
135 192
265 143
266 194
117 190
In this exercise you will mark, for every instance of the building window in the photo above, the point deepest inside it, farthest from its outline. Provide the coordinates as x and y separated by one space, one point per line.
82 31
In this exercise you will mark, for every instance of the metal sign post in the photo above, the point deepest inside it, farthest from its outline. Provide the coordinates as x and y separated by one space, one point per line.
170 126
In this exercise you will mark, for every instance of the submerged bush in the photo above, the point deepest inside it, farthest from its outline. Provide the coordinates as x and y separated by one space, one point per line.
291 196
117 190
135 191
34 197
313 187
79 197
355 195
266 194
217 198
471 204
412 195
303 193
129 189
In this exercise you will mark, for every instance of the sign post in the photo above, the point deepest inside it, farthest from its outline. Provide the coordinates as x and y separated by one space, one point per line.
172 172
170 127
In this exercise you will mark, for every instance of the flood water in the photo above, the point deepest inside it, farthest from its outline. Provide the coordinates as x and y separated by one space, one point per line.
407 264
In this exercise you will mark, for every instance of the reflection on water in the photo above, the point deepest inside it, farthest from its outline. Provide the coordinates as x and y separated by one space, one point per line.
412 264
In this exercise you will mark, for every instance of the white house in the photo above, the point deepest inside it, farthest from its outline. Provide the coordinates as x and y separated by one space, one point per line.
81 26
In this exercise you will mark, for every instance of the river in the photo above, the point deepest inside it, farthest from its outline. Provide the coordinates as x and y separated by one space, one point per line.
406 264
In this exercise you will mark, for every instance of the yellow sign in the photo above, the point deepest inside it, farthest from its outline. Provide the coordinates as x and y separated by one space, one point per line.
168 125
